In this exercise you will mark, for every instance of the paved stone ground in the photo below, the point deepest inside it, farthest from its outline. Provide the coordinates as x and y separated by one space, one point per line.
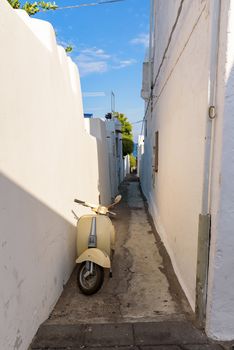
142 307
166 335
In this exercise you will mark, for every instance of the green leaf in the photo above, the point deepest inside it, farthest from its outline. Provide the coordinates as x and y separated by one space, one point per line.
31 8
14 3
69 48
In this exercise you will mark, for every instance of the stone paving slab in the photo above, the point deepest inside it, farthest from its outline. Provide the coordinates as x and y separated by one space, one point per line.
132 347
109 335
57 336
151 347
146 336
160 347
176 333
203 347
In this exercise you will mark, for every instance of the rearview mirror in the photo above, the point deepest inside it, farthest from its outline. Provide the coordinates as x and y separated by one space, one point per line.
118 198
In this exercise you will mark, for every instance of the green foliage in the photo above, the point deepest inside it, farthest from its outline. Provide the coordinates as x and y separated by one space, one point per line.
33 7
14 3
126 125
126 129
128 145
45 6
132 161
68 49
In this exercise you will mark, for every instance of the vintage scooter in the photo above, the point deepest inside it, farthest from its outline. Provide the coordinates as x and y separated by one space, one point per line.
95 246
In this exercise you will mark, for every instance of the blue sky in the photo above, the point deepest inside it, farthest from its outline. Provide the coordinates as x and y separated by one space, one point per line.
109 44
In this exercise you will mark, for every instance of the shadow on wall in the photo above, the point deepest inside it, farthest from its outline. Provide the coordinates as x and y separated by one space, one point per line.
37 256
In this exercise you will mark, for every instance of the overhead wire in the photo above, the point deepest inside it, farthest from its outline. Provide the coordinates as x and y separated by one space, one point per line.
90 4
168 42
137 122
146 111
163 58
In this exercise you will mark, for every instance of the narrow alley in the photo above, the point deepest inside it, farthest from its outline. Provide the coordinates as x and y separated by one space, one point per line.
93 91
141 305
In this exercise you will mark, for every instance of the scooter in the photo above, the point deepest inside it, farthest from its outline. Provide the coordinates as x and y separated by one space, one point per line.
95 246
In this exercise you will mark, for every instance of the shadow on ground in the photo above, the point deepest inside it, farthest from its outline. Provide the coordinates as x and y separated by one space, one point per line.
141 307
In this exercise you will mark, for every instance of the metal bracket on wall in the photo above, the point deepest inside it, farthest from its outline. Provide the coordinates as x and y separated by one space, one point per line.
202 267
212 112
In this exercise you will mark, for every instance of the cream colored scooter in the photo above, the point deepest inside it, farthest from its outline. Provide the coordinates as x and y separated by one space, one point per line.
95 246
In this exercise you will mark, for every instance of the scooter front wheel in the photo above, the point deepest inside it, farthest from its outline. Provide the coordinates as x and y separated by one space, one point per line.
92 283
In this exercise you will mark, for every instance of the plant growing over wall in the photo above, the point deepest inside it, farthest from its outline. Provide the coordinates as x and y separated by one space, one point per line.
69 48
127 145
14 3
127 135
132 161
34 7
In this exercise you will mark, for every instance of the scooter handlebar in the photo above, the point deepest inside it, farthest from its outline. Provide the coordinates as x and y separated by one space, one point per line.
93 207
84 204
78 201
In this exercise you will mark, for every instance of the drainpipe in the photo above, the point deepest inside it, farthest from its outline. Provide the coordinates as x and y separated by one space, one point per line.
212 105
205 216
151 46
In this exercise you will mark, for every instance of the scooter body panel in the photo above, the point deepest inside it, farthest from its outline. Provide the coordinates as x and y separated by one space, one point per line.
105 233
96 256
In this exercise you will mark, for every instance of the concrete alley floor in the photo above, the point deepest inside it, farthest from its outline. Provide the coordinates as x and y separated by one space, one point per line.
143 286
143 296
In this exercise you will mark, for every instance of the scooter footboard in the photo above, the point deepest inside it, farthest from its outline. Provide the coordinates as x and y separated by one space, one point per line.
95 255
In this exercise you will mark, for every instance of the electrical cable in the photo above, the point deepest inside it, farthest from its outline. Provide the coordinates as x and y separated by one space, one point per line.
139 121
86 5
163 58
168 43
145 114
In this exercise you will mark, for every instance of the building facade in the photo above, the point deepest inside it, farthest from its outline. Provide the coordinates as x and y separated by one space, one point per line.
187 161
47 159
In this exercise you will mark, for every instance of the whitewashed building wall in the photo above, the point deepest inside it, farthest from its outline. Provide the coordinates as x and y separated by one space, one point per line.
186 37
220 307
179 114
126 165
46 159
97 128
140 153
114 142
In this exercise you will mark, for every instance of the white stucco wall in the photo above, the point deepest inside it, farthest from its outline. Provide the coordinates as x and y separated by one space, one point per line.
126 165
113 155
140 152
220 307
97 128
179 114
46 159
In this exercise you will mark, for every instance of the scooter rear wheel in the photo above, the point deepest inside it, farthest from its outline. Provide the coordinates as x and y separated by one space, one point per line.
91 284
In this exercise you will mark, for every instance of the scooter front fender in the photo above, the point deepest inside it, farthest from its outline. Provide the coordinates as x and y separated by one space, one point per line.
95 255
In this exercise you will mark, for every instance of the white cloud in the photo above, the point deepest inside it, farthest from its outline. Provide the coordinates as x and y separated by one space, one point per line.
92 67
141 39
124 63
94 53
94 94
92 60
95 60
